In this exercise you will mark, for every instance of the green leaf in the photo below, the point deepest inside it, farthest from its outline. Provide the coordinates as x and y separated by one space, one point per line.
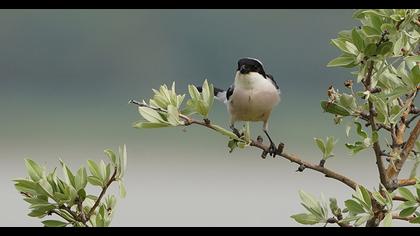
360 131
408 211
306 219
150 115
194 93
80 179
54 223
123 160
334 207
27 186
102 171
35 171
342 61
46 187
384 48
320 144
150 125
123 192
334 108
312 204
415 75
405 193
399 44
387 222
225 132
354 207
111 155
365 195
357 40
94 181
379 198
341 44
68 175
371 32
413 59
370 49
173 116
94 169
329 146
362 219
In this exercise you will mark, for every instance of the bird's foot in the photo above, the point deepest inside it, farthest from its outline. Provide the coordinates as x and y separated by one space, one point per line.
236 131
272 150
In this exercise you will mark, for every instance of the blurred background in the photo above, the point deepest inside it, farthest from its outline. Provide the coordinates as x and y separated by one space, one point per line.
66 77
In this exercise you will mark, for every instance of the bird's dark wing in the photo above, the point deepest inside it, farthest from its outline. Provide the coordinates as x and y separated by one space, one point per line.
271 78
229 92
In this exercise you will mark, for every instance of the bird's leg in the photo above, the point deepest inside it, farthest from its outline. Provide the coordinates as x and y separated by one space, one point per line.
272 150
235 130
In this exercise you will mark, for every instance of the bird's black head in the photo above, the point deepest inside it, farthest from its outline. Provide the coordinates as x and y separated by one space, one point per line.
247 65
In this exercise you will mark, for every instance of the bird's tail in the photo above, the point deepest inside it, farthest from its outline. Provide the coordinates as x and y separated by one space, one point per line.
219 94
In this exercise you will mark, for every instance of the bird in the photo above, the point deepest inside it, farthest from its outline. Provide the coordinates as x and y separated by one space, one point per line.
251 97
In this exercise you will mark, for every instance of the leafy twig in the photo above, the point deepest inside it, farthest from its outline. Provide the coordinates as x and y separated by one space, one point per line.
112 179
293 158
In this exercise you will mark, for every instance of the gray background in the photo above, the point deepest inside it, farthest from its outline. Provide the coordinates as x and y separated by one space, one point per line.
66 77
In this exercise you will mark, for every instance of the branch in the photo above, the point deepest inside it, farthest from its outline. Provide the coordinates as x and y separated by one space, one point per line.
376 146
399 198
406 182
397 217
393 172
407 123
112 179
333 220
293 158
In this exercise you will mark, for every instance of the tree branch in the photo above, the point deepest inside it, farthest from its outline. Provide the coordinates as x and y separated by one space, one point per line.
112 179
392 172
399 198
397 217
334 220
293 158
376 146
406 182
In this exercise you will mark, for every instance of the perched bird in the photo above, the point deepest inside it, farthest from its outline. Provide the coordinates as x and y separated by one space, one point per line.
251 97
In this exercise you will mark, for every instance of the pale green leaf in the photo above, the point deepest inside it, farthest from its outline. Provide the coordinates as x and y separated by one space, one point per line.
151 115
54 223
354 207
306 219
150 125
387 221
35 171
405 193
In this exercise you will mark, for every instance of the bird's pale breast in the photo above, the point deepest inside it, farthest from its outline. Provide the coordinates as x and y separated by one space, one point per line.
253 104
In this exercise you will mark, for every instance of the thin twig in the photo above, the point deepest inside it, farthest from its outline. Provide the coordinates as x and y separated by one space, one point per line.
334 220
407 123
406 182
112 179
399 198
393 172
376 146
293 158
408 218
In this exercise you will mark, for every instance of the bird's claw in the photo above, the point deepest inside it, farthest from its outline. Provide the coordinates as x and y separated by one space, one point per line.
236 131
272 150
